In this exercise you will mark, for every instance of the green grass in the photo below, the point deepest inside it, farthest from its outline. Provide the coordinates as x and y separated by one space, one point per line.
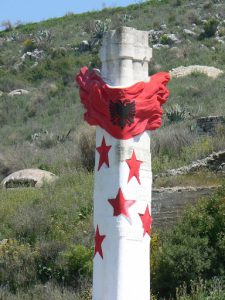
54 103
51 213
198 179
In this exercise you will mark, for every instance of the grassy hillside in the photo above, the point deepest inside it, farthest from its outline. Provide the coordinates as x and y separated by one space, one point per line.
52 108
49 230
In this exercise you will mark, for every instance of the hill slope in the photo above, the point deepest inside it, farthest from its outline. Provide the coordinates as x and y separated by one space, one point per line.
34 127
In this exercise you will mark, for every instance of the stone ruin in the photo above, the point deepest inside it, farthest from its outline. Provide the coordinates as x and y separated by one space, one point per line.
210 125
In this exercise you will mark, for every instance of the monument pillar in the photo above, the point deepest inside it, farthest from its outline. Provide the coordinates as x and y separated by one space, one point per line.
124 104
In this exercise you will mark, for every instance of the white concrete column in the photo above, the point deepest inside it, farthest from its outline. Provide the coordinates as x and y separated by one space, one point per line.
123 179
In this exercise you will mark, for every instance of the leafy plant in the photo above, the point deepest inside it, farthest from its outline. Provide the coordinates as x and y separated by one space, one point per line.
17 264
100 28
194 249
29 45
176 113
209 29
77 263
165 40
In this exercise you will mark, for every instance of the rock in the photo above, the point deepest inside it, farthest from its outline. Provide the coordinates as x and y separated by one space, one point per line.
18 92
154 35
168 204
212 162
28 178
84 46
189 32
219 40
3 242
159 46
34 55
223 167
1 93
184 71
163 26
210 125
34 65
173 38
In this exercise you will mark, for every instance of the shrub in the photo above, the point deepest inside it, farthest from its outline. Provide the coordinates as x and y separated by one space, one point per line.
210 28
17 265
86 147
29 45
45 139
200 290
176 113
7 25
43 39
165 40
221 31
31 222
100 28
169 144
77 264
47 262
194 249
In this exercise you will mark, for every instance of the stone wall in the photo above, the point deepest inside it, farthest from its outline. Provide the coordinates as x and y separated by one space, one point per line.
168 204
209 125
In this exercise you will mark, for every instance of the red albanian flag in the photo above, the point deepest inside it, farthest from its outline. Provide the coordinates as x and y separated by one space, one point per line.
123 112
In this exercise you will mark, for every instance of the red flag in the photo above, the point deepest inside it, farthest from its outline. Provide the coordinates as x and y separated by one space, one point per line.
123 112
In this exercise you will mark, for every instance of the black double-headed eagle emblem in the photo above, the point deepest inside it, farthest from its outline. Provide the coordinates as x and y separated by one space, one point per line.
122 112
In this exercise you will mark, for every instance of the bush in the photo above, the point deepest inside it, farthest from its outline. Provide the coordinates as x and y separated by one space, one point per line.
17 265
77 264
29 45
31 222
221 31
8 25
194 249
165 40
176 113
86 147
210 28
200 290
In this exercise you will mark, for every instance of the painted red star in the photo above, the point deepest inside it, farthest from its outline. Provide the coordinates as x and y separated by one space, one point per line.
121 205
134 166
98 242
103 151
146 221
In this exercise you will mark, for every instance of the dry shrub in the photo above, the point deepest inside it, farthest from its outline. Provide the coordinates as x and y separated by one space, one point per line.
9 162
171 140
193 17
86 146
48 291
31 222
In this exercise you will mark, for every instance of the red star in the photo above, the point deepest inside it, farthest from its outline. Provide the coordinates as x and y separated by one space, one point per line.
121 205
146 221
103 151
134 166
98 242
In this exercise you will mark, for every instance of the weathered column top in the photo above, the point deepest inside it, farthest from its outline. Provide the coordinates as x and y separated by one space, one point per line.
124 100
125 54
